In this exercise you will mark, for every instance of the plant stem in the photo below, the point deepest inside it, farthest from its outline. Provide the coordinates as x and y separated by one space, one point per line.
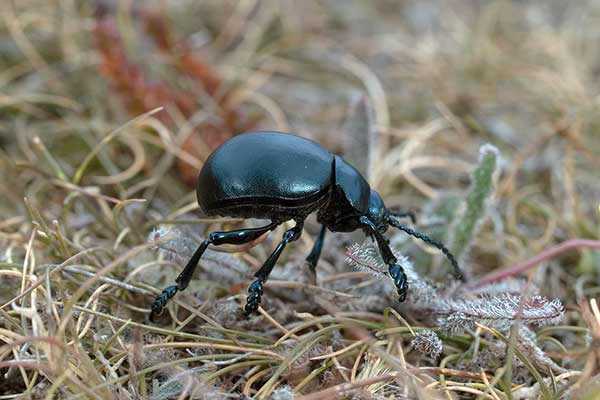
532 262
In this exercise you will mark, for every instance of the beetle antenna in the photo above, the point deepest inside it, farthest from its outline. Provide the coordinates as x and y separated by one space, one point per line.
457 271
403 214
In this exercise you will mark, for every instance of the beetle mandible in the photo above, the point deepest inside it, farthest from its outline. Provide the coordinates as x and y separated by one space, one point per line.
281 177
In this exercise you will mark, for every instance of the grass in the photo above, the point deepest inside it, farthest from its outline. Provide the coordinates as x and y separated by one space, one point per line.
107 112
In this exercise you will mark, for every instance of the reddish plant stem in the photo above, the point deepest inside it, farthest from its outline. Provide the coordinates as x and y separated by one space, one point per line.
532 262
26 364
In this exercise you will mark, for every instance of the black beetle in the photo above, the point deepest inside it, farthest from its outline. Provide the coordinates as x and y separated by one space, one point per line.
281 177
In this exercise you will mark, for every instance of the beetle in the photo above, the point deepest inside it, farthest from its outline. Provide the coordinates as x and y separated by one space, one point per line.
281 177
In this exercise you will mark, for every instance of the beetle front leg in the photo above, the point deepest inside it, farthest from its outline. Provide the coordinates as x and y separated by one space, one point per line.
394 269
400 280
256 288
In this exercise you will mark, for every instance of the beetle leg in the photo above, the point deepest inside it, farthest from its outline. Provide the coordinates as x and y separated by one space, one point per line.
239 236
161 300
395 270
315 253
255 290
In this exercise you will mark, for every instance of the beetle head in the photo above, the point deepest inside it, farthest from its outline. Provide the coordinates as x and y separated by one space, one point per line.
378 213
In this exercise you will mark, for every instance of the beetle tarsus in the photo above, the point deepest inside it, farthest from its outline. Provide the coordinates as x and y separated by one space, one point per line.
255 291
400 280
161 300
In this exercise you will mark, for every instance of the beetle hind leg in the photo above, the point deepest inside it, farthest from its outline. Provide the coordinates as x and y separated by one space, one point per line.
256 288
240 236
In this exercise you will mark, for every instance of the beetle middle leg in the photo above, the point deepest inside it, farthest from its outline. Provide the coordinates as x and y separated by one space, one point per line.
256 288
313 258
240 236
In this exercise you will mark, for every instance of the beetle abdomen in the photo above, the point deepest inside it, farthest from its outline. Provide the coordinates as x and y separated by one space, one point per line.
264 171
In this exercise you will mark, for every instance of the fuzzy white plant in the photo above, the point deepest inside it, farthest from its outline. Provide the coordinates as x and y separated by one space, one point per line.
475 209
454 310
428 342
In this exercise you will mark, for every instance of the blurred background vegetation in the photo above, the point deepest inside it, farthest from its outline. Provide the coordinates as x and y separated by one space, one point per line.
108 109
